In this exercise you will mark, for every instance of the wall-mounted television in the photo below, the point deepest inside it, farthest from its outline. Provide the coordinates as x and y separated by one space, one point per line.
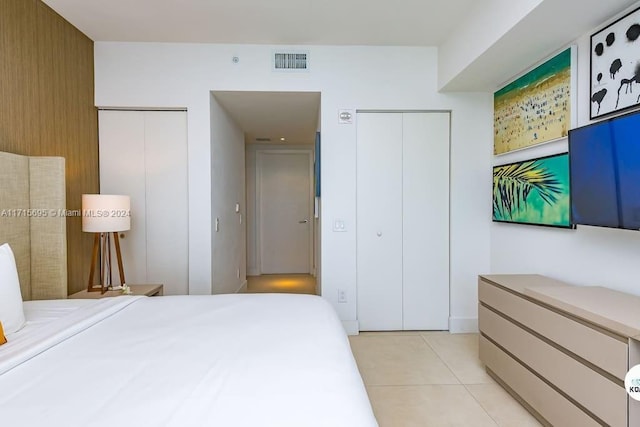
604 161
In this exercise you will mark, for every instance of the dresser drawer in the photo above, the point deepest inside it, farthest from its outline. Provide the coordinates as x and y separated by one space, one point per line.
553 406
601 396
596 347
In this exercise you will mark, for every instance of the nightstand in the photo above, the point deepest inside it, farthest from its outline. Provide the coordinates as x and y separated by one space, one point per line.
148 290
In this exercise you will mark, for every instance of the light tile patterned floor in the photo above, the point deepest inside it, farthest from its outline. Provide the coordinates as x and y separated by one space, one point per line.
432 379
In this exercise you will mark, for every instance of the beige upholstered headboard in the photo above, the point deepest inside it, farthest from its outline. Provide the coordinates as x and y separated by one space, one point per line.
32 221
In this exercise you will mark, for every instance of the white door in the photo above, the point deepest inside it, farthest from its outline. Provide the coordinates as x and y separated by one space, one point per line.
379 221
284 211
143 154
121 152
425 221
167 200
403 221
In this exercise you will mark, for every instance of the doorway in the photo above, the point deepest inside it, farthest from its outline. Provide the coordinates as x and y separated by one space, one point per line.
282 219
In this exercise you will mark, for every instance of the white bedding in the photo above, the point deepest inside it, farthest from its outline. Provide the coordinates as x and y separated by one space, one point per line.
40 312
51 323
227 360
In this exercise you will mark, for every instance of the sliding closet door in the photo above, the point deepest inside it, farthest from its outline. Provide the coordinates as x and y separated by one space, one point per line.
379 221
425 221
143 154
122 165
167 202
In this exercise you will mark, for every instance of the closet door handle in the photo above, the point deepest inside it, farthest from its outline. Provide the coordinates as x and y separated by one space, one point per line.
304 221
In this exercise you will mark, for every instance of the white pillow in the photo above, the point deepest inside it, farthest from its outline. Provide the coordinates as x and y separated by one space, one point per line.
11 312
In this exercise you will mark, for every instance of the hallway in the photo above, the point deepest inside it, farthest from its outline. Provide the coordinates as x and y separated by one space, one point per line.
282 283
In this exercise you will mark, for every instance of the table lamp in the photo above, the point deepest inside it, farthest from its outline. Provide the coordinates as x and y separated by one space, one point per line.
105 215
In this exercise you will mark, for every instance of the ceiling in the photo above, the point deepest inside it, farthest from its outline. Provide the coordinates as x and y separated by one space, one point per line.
320 22
273 115
293 116
525 44
338 22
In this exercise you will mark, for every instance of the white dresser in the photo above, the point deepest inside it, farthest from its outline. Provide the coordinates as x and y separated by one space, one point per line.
561 350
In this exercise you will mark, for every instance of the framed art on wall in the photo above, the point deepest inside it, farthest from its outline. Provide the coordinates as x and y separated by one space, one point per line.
615 66
533 192
536 107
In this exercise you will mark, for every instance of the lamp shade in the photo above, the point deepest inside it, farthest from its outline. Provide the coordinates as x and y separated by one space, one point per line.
103 213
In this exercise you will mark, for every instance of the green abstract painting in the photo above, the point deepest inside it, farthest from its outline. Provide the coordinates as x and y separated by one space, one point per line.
533 192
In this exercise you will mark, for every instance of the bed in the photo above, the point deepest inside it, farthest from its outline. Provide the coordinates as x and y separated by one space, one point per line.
224 360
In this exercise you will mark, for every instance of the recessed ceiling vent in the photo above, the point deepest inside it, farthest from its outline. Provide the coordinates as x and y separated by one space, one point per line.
291 61
263 139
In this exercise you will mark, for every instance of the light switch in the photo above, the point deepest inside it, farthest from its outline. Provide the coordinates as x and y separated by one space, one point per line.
339 226
237 207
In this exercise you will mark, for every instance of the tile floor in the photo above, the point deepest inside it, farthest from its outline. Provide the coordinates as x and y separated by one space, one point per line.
432 379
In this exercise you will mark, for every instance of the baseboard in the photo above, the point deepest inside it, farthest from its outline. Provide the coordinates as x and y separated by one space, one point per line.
243 288
351 327
463 325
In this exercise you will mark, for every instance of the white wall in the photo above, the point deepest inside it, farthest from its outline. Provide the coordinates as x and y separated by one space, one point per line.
480 30
252 219
317 236
318 213
586 256
165 75
227 189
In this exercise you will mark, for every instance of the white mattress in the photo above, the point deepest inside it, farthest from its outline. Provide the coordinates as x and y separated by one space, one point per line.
228 360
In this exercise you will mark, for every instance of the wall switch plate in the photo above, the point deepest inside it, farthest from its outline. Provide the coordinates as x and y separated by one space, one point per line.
342 296
237 207
339 226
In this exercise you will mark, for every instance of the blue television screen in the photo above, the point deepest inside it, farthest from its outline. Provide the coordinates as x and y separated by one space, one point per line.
604 160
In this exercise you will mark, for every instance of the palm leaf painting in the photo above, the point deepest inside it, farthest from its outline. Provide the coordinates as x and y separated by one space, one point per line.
533 191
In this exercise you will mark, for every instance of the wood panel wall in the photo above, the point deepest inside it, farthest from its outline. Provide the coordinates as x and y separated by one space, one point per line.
47 107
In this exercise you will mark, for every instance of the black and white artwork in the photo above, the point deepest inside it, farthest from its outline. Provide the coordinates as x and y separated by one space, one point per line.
615 66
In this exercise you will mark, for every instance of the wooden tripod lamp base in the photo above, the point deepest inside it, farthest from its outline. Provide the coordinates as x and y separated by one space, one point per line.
106 216
101 256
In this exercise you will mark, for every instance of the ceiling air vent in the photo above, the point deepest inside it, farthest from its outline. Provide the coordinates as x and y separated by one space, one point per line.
263 139
291 61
